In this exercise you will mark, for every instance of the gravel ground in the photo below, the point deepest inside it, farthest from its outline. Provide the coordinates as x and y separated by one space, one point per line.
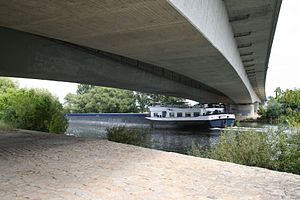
35 165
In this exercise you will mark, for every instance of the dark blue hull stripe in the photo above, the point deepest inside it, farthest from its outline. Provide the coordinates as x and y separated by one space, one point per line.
106 115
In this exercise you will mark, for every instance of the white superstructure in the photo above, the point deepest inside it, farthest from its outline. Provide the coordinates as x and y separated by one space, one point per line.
210 116
178 112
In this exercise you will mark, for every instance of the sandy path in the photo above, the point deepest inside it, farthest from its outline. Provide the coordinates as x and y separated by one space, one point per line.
42 166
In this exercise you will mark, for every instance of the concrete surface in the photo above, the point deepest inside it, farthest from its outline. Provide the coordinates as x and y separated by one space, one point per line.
27 55
155 32
36 165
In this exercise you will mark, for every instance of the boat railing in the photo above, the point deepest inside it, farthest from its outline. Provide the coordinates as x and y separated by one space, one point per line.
177 106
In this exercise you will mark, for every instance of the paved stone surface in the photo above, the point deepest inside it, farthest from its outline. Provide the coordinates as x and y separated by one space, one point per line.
42 166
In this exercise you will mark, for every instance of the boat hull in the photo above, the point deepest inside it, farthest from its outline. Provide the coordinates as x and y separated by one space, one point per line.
219 121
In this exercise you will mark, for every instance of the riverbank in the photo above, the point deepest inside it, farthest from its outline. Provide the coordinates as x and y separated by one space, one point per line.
35 165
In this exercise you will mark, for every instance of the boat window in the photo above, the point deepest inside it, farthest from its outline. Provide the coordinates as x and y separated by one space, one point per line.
196 114
187 114
164 113
155 114
179 114
171 114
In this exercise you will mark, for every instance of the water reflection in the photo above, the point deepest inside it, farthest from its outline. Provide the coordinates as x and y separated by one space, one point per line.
168 140
181 141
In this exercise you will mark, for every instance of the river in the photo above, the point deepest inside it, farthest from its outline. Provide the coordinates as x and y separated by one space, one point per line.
179 141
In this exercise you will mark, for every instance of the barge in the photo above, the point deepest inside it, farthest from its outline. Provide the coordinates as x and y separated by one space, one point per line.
186 117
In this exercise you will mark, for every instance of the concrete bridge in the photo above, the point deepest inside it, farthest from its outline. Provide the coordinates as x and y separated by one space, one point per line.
206 50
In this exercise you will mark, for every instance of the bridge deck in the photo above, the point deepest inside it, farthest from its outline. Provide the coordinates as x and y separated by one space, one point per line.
220 45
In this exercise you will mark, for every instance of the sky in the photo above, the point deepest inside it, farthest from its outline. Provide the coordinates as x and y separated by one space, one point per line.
284 63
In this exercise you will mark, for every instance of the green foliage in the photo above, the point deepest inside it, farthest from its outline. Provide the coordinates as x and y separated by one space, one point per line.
166 100
247 148
262 112
277 149
101 99
144 100
198 151
32 109
7 84
83 88
286 150
138 137
274 110
93 99
284 108
278 92
290 99
4 126
58 124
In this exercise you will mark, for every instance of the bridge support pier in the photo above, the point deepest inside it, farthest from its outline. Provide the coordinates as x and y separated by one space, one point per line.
244 111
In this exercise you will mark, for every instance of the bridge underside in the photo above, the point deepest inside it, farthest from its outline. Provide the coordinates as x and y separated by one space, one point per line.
31 56
154 46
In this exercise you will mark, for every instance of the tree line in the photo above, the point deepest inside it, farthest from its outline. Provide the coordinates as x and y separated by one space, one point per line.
95 99
32 109
284 107
38 109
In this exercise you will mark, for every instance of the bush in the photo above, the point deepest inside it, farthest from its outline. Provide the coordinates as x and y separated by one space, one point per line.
32 109
58 124
4 126
286 150
285 108
198 151
138 137
277 149
243 147
7 84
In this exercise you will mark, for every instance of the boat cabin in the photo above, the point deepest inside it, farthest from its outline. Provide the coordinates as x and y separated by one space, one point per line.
174 112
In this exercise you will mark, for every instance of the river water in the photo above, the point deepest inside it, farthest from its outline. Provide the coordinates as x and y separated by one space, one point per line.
179 141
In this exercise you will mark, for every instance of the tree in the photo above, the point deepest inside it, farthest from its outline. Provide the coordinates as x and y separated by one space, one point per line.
144 100
274 109
290 100
6 84
166 100
278 92
101 99
58 124
94 99
285 107
83 88
33 109
73 104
